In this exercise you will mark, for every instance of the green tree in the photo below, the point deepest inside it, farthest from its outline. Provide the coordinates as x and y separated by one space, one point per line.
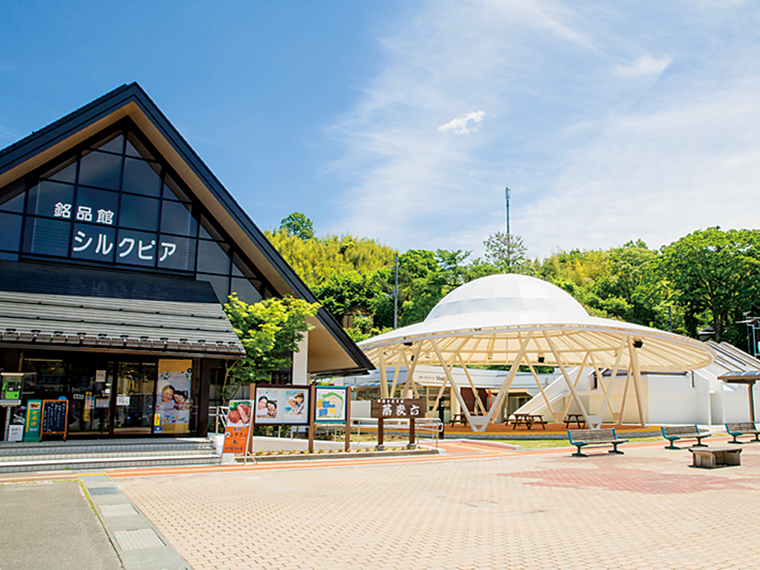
270 331
712 274
506 252
298 225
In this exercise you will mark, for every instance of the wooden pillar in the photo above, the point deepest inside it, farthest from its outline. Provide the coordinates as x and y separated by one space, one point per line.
380 435
412 444
204 388
347 446
312 407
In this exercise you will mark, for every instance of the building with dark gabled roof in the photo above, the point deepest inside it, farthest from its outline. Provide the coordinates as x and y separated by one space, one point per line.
118 247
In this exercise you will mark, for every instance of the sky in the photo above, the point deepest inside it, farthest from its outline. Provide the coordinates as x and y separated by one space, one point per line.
405 121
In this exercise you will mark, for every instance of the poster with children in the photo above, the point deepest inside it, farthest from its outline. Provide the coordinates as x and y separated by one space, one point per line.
281 405
173 400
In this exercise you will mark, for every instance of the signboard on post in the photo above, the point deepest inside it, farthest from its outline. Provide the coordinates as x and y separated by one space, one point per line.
398 408
330 404
281 405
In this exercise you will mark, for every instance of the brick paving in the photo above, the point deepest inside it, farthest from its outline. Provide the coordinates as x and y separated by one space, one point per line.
647 509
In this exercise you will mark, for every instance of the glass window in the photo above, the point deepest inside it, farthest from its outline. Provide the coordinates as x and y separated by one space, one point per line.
98 206
245 290
96 243
10 231
172 190
137 248
220 285
208 231
66 172
240 268
176 219
116 144
139 213
51 199
176 253
136 148
47 237
141 177
212 258
12 199
100 169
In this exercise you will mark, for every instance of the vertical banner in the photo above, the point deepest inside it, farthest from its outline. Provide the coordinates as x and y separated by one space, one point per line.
173 396
238 426
33 423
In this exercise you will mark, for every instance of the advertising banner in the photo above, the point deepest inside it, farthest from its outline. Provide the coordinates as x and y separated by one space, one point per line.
33 417
173 396
238 426
330 404
282 405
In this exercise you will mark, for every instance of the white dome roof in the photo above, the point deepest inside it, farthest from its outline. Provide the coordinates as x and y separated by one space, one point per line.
514 298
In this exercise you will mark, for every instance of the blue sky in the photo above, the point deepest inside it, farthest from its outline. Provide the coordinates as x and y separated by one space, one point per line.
404 121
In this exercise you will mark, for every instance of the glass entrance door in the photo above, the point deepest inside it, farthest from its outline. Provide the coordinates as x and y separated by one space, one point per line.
134 398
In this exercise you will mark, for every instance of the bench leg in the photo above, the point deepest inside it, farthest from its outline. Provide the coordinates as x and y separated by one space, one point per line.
671 446
699 443
578 453
615 450
736 441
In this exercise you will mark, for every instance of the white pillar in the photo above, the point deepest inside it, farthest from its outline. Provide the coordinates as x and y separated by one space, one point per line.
301 362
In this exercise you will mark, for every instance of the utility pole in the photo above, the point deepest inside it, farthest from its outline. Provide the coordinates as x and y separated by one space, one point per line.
395 297
507 194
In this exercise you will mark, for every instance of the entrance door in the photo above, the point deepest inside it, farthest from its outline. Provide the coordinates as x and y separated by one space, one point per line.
134 398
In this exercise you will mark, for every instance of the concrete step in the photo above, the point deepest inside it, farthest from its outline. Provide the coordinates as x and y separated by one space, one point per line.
99 454
96 463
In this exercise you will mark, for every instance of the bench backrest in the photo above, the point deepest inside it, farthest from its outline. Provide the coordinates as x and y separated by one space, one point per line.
591 435
679 430
742 426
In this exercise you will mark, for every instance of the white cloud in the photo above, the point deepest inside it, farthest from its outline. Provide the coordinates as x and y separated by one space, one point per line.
643 67
459 125
593 158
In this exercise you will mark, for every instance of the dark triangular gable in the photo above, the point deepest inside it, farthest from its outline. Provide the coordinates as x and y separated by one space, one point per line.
131 101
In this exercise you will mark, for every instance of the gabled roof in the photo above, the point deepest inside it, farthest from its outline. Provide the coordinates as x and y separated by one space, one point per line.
330 348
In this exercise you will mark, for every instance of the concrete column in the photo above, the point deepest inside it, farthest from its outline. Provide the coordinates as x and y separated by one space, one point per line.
301 362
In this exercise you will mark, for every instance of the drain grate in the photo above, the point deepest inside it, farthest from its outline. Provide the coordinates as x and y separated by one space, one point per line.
104 491
125 510
138 539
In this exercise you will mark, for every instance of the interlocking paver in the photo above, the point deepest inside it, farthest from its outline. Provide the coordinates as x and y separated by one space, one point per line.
645 509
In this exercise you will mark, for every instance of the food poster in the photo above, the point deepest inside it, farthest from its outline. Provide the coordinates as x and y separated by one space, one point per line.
238 425
330 405
173 400
282 405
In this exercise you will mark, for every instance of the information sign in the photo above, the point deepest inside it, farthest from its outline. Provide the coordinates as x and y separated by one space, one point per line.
398 408
282 405
330 404
54 417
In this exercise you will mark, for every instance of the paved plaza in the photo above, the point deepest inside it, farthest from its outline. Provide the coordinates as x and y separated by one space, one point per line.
647 509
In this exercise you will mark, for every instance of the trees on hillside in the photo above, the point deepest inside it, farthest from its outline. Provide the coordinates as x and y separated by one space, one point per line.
705 278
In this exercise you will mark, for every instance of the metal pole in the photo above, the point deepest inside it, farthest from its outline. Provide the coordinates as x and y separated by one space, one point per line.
507 194
395 297
754 342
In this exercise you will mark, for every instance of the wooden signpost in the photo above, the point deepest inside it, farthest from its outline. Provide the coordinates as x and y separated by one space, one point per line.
397 408
54 418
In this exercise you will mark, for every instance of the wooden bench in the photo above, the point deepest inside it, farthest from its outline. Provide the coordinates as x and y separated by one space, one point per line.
583 437
577 419
711 458
744 428
527 420
674 433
